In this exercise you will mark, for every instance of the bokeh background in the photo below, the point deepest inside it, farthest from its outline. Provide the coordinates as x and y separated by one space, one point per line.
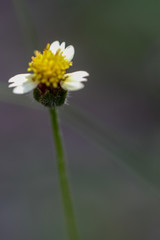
111 128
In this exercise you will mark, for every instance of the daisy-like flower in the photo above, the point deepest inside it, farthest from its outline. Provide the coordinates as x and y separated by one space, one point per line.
49 71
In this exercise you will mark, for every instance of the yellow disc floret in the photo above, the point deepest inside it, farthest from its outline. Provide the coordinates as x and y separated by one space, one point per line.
49 68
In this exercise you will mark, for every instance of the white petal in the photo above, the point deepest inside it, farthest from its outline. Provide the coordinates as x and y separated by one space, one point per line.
78 76
62 46
69 52
25 87
71 86
54 47
20 78
13 85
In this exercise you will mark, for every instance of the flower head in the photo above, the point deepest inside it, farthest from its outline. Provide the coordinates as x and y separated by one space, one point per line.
49 72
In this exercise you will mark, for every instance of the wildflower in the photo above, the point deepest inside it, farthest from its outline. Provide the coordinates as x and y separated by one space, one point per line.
49 73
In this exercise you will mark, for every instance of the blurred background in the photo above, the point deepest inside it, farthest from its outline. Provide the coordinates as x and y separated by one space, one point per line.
111 128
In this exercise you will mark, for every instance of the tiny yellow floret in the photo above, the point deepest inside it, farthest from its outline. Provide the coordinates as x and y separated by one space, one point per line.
49 68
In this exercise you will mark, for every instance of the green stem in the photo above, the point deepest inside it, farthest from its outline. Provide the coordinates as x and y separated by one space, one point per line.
63 179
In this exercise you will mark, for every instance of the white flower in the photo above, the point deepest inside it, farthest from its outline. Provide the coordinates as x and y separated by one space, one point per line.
49 68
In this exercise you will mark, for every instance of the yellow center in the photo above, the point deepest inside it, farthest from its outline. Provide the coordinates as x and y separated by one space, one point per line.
49 68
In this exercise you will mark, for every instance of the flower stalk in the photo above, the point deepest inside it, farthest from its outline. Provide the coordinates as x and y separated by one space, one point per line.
63 179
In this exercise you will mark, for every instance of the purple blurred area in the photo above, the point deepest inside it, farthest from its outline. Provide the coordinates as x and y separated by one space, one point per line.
113 157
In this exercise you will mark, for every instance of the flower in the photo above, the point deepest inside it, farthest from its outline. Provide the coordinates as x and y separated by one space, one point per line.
49 71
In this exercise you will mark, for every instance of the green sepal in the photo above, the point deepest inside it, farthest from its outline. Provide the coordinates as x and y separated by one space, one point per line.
50 97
